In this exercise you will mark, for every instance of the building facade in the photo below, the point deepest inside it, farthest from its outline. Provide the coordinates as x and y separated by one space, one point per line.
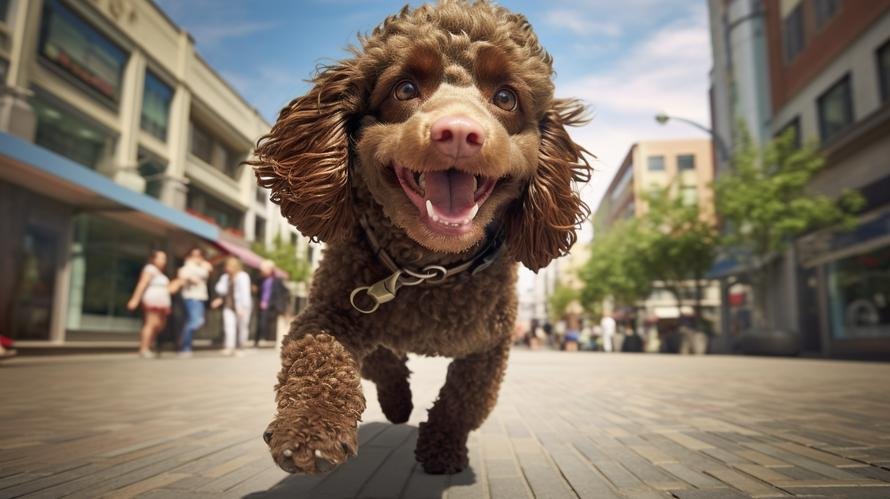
827 64
687 165
115 138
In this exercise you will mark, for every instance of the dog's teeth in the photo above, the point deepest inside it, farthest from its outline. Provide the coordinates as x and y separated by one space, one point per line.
475 182
429 210
288 453
474 211
421 181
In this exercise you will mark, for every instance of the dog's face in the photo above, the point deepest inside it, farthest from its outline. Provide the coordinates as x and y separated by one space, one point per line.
448 143
446 116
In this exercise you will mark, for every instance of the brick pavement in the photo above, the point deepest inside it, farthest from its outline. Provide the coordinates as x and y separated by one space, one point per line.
567 425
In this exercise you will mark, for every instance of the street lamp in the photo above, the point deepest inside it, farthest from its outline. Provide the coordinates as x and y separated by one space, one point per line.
722 150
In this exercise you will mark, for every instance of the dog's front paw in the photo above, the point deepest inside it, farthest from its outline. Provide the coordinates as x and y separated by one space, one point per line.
305 442
439 452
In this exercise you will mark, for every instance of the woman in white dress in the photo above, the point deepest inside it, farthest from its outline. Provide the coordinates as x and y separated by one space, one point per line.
153 293
233 293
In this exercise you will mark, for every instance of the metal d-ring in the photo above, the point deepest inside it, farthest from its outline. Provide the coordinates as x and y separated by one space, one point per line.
435 270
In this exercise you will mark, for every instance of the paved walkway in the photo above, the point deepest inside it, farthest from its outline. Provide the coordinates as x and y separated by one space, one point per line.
567 425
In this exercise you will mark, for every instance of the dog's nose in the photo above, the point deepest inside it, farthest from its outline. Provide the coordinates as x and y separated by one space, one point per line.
457 136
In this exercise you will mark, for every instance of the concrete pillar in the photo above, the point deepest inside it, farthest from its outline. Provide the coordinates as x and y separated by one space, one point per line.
125 170
175 188
16 115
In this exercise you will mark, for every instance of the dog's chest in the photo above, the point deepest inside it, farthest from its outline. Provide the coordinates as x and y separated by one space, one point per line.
469 314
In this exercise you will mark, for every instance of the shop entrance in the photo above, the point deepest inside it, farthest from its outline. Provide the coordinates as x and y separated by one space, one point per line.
34 282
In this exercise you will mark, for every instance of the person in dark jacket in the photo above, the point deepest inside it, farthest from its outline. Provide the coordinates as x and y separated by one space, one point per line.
273 298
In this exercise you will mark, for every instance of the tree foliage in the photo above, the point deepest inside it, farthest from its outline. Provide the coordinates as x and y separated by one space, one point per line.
560 299
617 265
763 202
285 256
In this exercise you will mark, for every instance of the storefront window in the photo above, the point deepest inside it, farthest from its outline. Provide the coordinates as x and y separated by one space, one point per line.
69 134
156 106
107 258
81 51
859 295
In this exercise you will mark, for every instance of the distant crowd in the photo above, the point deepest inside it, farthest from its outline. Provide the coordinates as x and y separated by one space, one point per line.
233 292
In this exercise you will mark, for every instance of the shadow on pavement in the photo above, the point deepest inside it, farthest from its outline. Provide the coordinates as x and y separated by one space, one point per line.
385 467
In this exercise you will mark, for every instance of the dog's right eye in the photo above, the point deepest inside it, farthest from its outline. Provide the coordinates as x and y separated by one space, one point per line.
406 90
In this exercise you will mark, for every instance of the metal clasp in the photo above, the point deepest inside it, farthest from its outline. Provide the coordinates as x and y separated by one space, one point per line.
381 291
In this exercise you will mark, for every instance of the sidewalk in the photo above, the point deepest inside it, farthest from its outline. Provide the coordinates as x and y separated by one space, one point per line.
566 425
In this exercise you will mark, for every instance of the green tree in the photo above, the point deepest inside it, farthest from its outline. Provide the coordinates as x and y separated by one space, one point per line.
763 204
682 243
561 297
285 256
617 266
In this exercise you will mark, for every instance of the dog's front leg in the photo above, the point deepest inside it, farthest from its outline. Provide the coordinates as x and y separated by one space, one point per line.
468 396
320 403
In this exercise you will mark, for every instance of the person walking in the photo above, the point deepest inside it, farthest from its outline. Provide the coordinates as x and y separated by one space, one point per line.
608 326
194 274
233 291
273 298
153 291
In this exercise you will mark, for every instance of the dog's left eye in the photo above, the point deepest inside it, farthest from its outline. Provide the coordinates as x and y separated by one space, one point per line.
505 99
406 90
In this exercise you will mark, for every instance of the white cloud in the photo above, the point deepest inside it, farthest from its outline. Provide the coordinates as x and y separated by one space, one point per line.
213 33
579 24
666 72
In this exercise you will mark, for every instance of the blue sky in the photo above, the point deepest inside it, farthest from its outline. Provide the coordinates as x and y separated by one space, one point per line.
628 59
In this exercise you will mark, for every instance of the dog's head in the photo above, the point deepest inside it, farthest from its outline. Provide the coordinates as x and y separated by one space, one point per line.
446 116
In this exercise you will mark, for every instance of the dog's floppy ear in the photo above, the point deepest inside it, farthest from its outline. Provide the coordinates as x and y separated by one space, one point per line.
541 224
304 159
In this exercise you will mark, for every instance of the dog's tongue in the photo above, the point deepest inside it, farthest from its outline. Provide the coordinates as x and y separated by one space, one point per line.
452 192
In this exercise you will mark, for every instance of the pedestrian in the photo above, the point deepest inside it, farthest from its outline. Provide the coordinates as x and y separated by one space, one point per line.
273 297
194 274
233 294
153 291
608 326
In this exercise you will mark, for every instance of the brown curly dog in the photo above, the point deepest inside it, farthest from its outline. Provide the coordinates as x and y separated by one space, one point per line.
430 163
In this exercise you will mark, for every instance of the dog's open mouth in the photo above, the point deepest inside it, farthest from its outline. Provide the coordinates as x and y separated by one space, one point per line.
448 200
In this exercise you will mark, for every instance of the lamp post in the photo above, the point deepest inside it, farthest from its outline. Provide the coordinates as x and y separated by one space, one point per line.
722 149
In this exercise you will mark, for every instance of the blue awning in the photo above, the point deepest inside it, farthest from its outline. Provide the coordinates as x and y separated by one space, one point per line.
56 176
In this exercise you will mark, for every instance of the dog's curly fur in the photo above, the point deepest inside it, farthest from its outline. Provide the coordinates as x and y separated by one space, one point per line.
329 160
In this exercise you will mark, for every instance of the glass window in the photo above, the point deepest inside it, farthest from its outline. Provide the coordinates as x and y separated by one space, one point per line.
4 10
209 149
261 196
259 230
201 143
686 162
825 10
156 99
81 51
835 109
792 127
883 56
793 36
72 135
214 210
655 163
107 259
152 170
4 68
859 295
